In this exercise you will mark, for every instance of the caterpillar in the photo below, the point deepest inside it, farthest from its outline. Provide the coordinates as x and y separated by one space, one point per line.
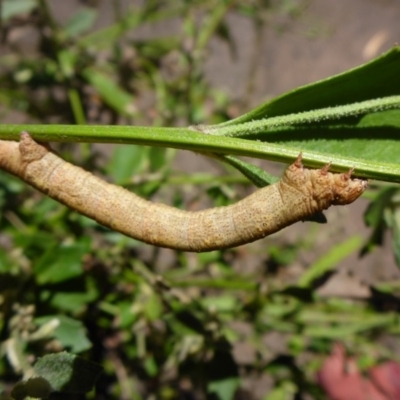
300 194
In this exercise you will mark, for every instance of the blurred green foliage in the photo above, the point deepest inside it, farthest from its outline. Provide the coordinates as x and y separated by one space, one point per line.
161 324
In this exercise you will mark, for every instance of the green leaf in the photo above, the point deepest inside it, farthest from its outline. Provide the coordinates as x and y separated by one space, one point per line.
63 372
67 60
150 366
330 260
126 161
285 391
33 240
153 307
395 224
346 116
156 48
104 38
76 106
225 388
380 119
332 132
127 314
281 306
74 302
9 184
5 263
46 206
373 216
112 94
341 331
70 332
60 263
258 176
219 304
68 373
378 78
80 22
349 122
158 159
11 8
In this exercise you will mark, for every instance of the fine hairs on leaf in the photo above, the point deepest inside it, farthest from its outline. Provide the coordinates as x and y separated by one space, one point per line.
300 194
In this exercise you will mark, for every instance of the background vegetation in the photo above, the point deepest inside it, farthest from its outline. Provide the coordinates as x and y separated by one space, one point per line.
240 323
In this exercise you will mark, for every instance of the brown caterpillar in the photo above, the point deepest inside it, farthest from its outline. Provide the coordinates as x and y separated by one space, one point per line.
300 194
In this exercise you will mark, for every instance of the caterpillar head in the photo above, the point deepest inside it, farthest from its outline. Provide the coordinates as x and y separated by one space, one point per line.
345 189
324 187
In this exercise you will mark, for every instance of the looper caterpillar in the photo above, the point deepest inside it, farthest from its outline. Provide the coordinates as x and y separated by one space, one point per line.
298 195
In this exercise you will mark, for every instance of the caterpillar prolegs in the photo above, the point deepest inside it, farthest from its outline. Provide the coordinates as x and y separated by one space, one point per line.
300 194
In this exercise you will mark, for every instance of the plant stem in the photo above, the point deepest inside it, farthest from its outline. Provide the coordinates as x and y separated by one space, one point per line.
188 139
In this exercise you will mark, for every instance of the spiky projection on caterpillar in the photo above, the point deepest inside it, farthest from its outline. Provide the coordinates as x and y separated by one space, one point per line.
300 194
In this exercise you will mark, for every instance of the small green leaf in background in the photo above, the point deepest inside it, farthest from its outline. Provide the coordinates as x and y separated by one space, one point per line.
380 215
225 388
70 333
395 225
112 94
342 330
75 301
330 260
5 264
255 174
220 304
11 8
285 391
80 22
158 158
127 314
67 60
33 240
374 214
150 365
61 262
153 307
61 372
68 373
46 206
126 161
